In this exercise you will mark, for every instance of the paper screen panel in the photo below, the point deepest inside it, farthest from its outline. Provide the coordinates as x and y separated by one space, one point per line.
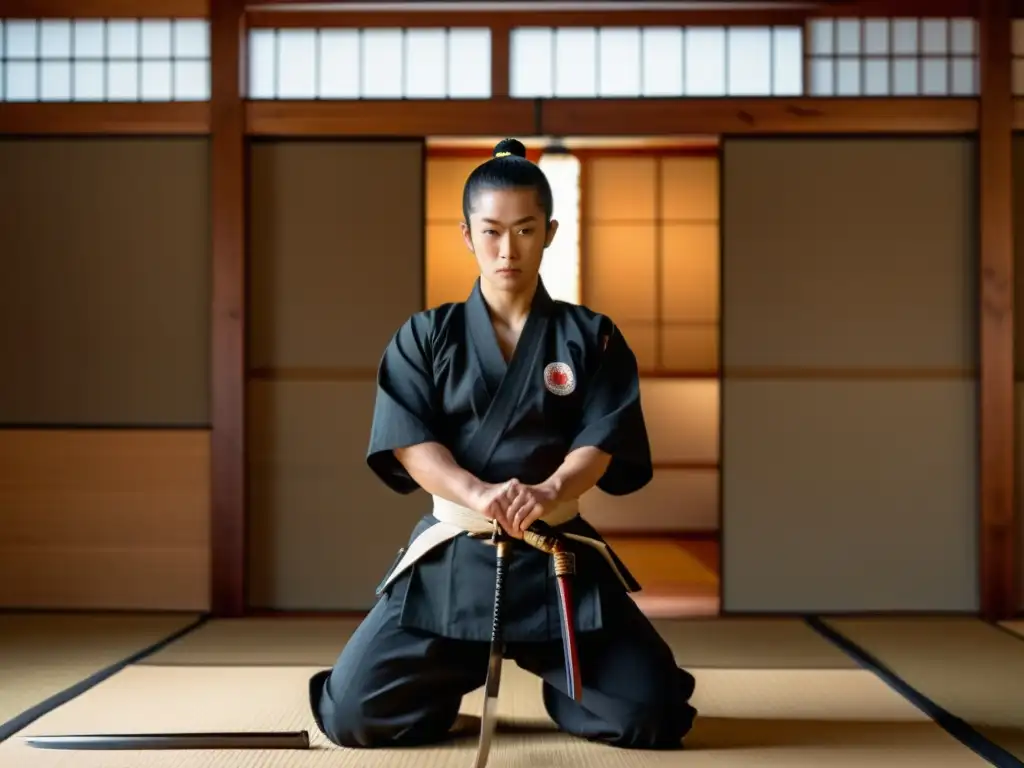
620 189
690 188
691 349
682 419
451 267
684 500
690 281
446 178
619 271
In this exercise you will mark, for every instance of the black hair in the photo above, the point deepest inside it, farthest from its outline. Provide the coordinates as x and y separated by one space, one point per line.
508 168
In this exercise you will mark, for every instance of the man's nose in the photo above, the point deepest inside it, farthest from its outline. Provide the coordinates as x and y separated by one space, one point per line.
506 249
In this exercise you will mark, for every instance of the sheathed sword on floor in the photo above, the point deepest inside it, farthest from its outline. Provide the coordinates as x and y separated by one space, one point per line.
489 718
147 741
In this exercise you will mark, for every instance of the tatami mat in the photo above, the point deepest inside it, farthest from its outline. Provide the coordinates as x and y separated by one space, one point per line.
971 669
1017 627
41 654
724 643
838 718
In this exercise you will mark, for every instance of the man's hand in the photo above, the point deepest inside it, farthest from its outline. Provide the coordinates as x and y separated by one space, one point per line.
528 504
493 502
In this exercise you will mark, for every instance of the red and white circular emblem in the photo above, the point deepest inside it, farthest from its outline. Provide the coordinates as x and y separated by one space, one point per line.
558 379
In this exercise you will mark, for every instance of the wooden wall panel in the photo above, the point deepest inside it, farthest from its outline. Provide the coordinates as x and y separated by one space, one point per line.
859 284
95 519
324 529
849 496
330 278
105 289
849 443
336 267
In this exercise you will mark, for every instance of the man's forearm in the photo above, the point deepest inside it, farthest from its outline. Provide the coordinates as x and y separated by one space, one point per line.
578 473
434 468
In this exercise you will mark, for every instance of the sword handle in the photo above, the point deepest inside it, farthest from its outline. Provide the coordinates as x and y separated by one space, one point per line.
546 540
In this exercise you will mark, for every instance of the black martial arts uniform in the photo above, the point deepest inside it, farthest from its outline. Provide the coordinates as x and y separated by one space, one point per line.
401 677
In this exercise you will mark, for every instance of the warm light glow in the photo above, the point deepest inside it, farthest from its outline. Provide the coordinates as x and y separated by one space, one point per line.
560 269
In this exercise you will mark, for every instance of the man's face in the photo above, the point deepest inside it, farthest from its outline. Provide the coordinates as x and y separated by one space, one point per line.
506 234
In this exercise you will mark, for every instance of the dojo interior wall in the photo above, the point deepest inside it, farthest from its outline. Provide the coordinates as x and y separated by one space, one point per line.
850 363
104 395
336 265
649 259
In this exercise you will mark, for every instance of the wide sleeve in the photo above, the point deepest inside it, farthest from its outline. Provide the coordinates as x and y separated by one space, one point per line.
403 413
613 419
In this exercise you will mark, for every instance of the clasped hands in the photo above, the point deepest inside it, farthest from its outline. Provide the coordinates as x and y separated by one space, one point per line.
514 505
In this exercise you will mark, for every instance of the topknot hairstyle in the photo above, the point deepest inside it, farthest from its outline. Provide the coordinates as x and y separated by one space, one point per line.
509 147
508 168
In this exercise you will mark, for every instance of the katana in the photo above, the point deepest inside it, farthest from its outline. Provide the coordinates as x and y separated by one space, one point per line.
148 741
544 537
540 536
489 718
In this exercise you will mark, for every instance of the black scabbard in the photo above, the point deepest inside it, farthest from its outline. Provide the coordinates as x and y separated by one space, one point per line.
148 741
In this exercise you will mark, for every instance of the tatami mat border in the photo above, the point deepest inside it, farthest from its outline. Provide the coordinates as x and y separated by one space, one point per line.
949 722
33 713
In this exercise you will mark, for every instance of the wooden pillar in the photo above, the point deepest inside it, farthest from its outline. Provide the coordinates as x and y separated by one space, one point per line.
998 530
228 211
501 48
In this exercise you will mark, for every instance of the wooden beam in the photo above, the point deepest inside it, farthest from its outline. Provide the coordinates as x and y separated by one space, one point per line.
283 17
506 116
890 9
494 117
631 117
105 9
41 119
291 13
654 149
609 117
228 220
998 529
